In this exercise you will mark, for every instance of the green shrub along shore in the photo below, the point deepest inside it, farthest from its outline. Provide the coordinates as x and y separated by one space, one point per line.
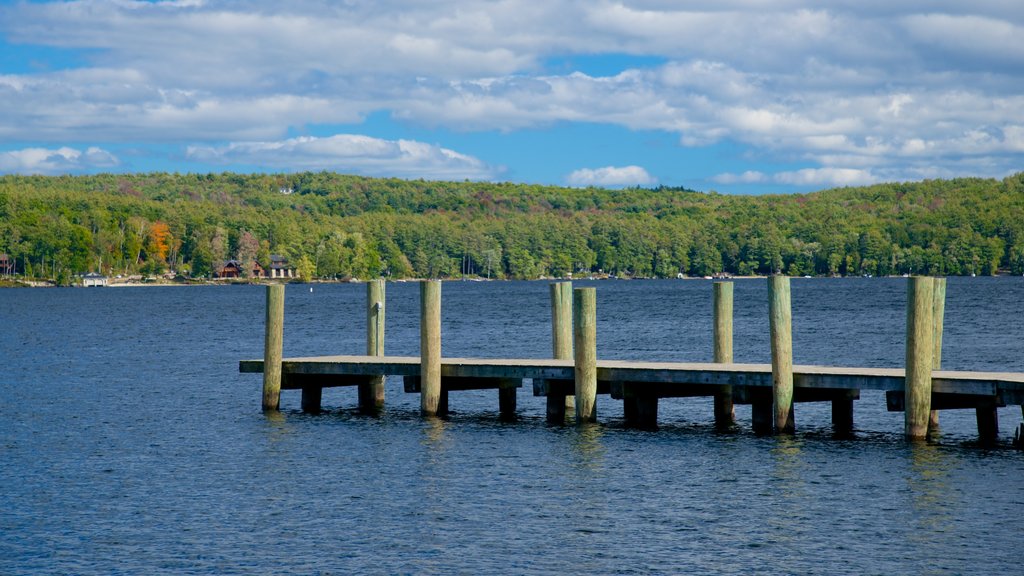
336 226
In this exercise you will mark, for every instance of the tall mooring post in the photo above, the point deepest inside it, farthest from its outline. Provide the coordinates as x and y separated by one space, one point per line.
371 394
561 346
430 347
781 328
938 318
920 353
584 320
273 342
722 319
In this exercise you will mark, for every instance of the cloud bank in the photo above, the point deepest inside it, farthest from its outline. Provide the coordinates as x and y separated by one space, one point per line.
349 153
59 161
858 91
611 176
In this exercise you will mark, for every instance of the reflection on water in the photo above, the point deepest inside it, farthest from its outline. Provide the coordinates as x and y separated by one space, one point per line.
277 427
932 497
788 485
435 438
788 464
585 440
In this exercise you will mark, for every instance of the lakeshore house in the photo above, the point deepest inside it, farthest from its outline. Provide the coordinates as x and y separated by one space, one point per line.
6 265
92 279
279 268
233 269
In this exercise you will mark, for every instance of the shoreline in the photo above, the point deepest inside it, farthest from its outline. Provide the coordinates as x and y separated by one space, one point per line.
267 281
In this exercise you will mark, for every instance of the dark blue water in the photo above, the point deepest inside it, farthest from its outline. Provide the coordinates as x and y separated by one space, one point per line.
130 444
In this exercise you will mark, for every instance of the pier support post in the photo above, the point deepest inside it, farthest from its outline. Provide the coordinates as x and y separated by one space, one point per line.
938 317
722 320
920 352
371 394
988 424
272 346
842 415
561 346
781 328
430 347
584 320
311 398
646 411
761 415
507 391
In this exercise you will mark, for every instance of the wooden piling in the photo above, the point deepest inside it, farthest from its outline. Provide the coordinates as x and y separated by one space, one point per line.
272 347
938 317
371 393
781 328
920 352
646 411
584 320
508 388
988 423
430 347
761 415
722 320
561 345
842 415
311 398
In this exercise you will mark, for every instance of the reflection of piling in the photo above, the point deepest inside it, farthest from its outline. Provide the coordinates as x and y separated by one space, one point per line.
430 348
561 346
781 328
371 393
272 345
919 353
722 321
584 319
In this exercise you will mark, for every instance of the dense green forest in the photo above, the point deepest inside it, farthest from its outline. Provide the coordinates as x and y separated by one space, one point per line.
337 226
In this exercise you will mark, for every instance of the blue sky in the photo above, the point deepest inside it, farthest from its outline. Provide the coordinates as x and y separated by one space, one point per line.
739 96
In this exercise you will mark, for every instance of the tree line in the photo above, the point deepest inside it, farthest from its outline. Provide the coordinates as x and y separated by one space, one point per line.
332 225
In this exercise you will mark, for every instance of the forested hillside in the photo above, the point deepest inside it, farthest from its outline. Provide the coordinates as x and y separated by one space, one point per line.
333 225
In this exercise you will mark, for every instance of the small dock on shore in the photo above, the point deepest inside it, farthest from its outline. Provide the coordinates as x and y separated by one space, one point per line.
572 380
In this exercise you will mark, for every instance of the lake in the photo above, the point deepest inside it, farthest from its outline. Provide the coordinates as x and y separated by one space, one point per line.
129 442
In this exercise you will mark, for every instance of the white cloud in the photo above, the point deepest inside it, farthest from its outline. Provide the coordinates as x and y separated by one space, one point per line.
805 177
62 160
748 177
349 153
874 88
611 176
826 177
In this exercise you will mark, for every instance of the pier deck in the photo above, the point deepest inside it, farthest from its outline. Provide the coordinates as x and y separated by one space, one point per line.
666 378
574 377
623 379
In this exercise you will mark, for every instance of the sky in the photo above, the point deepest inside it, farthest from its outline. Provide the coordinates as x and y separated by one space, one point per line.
737 96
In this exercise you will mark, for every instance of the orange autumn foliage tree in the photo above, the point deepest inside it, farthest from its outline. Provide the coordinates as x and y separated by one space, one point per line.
159 241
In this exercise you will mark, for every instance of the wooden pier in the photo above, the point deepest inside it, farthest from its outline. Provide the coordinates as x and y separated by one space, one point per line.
770 389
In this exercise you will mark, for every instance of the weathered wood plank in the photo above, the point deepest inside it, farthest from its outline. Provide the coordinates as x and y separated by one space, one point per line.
561 347
920 350
584 320
550 374
722 349
371 393
466 383
896 401
430 347
293 381
272 347
938 317
781 332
